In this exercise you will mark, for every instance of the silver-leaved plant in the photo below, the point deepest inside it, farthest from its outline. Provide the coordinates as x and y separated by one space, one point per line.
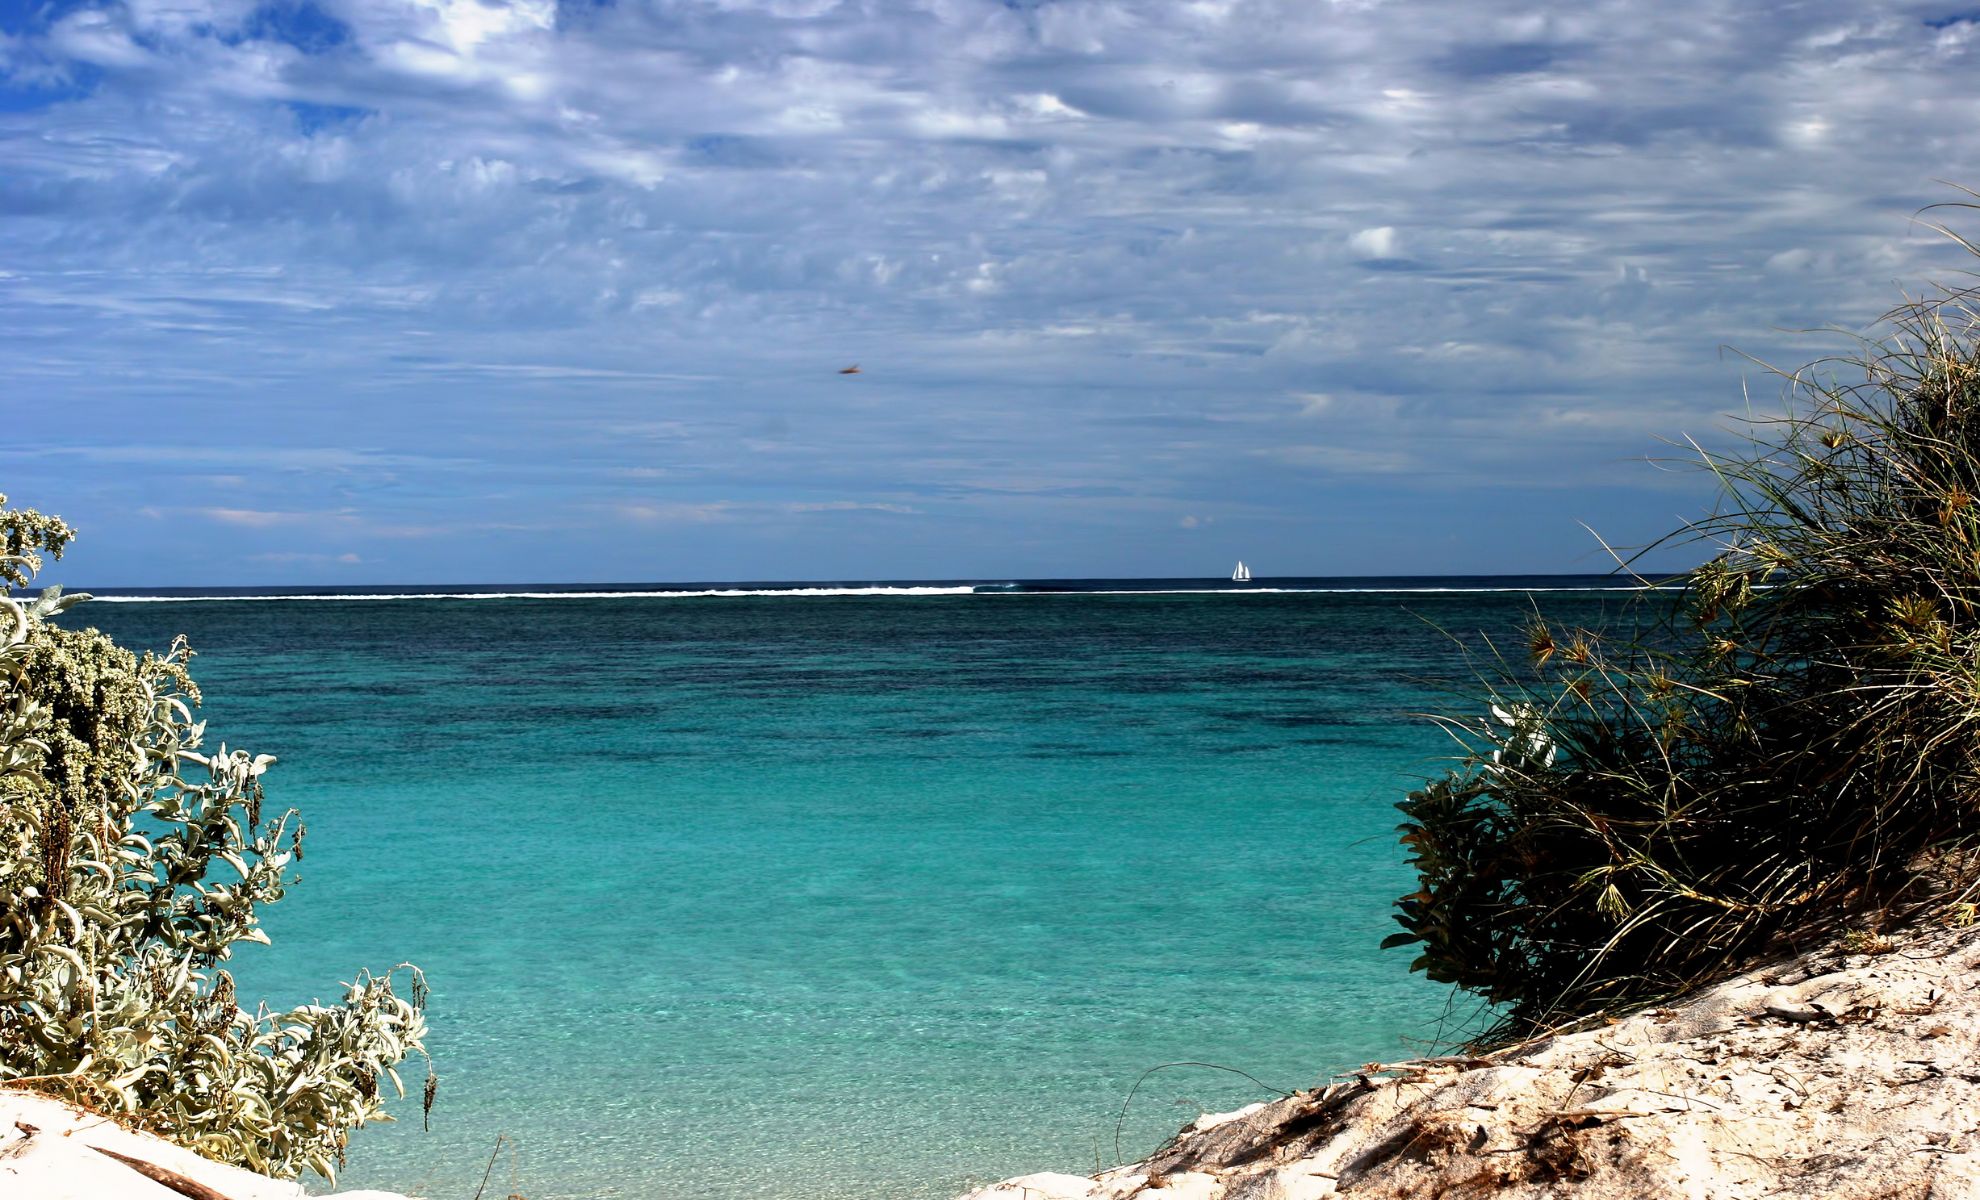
132 861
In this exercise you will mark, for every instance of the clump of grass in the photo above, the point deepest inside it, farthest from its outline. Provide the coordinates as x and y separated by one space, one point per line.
1641 813
1865 941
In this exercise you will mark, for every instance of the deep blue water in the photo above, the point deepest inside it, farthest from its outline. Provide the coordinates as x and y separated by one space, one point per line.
834 896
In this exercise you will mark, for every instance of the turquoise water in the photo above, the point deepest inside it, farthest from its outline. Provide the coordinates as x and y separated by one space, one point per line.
856 896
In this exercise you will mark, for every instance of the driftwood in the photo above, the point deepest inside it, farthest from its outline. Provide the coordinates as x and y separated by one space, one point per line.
192 1189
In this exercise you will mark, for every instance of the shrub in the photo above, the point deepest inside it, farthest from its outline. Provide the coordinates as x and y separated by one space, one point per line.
1792 736
132 861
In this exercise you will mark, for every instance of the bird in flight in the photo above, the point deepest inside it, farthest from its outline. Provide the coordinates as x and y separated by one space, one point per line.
852 370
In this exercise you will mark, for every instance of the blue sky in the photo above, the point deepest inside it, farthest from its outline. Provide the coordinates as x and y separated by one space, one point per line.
454 290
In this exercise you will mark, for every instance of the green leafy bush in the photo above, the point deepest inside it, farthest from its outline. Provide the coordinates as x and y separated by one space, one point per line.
1798 734
132 861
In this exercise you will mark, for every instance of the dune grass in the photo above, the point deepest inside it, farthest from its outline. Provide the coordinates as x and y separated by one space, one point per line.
1795 737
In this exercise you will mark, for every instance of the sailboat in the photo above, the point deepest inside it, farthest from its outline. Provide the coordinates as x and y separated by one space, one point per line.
1242 574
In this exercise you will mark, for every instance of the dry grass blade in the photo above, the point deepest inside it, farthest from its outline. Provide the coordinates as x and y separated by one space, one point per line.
1788 736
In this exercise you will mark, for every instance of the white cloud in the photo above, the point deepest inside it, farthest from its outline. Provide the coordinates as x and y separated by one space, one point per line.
1345 459
1379 241
497 262
304 557
253 518
730 510
718 510
846 506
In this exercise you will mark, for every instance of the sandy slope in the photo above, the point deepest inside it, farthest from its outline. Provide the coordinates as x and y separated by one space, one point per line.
52 1151
1843 1076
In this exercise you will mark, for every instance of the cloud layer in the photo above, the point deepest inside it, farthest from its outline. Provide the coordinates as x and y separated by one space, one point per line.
452 289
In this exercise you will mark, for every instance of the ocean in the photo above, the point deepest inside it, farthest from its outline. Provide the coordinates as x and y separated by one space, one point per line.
831 891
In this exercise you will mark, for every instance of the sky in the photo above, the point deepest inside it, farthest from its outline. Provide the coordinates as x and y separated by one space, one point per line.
385 291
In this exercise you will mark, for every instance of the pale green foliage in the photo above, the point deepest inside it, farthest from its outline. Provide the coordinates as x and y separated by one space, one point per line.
23 532
131 861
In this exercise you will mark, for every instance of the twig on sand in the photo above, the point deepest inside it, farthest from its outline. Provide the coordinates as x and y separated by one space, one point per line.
192 1189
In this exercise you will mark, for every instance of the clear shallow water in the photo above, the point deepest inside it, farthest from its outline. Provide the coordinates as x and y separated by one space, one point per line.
842 896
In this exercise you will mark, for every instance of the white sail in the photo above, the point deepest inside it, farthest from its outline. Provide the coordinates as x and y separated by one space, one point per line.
1242 574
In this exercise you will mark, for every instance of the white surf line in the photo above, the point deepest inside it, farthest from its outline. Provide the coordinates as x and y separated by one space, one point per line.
329 597
753 593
